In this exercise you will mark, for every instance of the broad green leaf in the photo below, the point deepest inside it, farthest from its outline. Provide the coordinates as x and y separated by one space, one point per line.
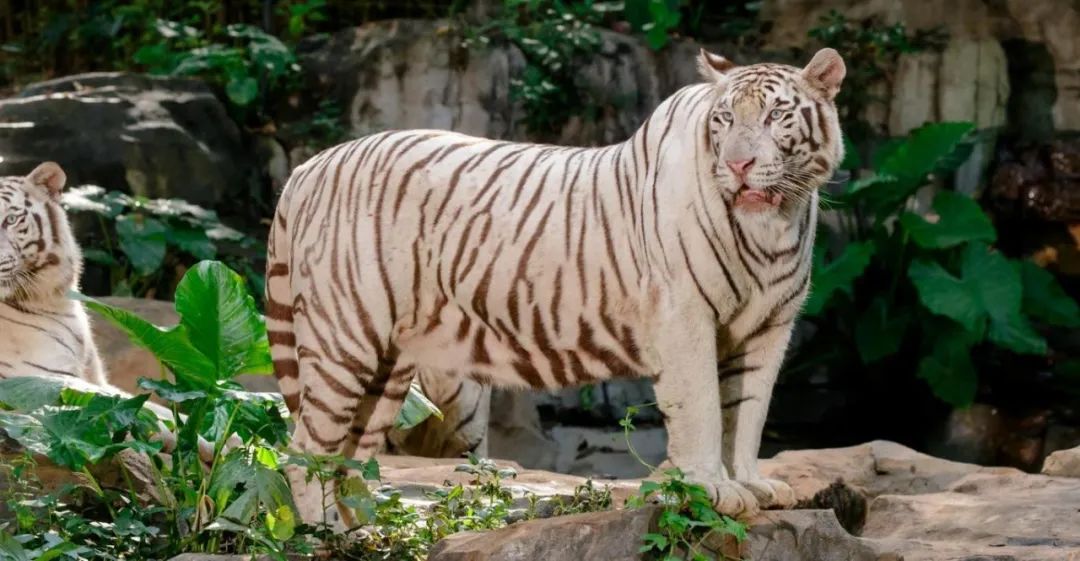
171 346
1045 299
924 150
837 275
222 321
1000 290
879 331
416 408
170 392
929 148
143 241
1014 332
869 182
26 430
193 241
948 369
27 393
281 523
946 295
988 290
957 220
10 549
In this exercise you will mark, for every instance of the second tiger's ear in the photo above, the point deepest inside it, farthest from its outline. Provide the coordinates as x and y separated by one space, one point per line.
713 67
50 178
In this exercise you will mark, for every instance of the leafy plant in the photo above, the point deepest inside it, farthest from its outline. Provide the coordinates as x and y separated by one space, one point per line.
687 518
656 19
249 64
926 293
142 241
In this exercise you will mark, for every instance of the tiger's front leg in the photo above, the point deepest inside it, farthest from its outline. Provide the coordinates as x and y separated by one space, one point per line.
746 385
687 393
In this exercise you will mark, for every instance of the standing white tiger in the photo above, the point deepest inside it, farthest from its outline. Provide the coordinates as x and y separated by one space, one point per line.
44 332
686 247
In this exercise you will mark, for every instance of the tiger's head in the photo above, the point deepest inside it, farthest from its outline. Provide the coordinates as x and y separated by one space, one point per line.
38 255
773 128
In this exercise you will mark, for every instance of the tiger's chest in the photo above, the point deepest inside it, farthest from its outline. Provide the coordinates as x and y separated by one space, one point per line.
41 341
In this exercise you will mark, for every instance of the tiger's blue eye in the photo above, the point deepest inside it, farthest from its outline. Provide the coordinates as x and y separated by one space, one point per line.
727 116
9 220
776 114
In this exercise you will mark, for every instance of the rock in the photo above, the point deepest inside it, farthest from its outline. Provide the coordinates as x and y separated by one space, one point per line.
417 74
600 535
1039 181
1063 463
910 106
999 515
151 136
810 535
875 468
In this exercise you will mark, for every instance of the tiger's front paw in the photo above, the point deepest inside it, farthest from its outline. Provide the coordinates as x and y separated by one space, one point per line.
771 493
731 498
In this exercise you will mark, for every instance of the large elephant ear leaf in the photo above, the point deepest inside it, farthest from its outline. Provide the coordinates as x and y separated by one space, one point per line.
222 320
172 346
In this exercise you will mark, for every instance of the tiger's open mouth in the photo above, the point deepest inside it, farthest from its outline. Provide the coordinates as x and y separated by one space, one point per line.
749 198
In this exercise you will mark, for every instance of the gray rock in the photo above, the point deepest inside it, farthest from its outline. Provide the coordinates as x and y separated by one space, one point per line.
1063 463
151 136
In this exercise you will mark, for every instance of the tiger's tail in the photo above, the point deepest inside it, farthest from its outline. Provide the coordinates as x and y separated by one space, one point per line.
279 303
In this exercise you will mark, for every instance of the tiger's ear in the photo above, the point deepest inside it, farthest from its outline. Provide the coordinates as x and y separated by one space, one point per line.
825 72
49 177
713 67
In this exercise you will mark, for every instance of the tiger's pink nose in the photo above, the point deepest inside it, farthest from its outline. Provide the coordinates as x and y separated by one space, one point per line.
740 167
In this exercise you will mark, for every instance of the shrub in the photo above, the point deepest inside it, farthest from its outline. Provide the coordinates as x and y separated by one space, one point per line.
923 294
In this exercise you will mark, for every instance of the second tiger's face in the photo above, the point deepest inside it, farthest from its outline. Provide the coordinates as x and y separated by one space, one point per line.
775 132
29 228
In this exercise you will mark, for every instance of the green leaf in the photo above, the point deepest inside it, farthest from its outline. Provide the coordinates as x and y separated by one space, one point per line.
946 295
416 409
958 219
143 240
242 91
988 290
171 346
924 151
838 275
869 182
170 392
27 393
948 368
932 147
281 523
10 549
222 321
1045 299
192 241
879 331
1013 331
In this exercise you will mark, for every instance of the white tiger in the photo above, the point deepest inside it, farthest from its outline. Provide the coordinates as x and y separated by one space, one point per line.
45 333
682 255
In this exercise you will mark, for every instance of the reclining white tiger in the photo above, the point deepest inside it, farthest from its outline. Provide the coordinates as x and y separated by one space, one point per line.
45 333
686 247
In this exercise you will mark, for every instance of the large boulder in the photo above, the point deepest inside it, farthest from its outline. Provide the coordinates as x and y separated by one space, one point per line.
150 136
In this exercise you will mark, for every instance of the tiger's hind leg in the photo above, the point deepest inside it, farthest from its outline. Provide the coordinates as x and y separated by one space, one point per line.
329 398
